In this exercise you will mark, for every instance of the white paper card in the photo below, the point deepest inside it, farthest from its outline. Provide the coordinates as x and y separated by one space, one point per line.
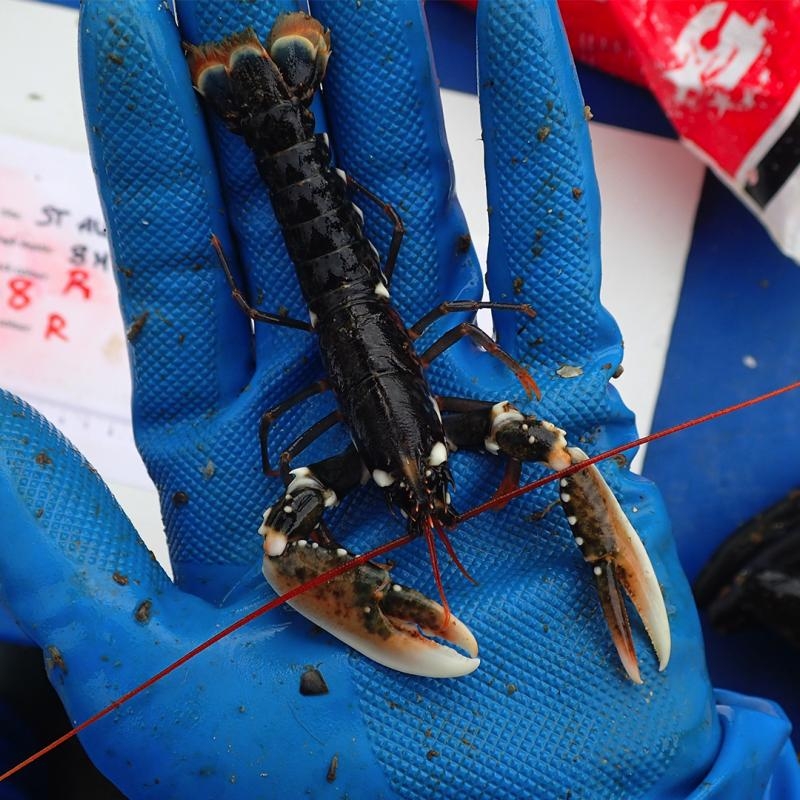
61 335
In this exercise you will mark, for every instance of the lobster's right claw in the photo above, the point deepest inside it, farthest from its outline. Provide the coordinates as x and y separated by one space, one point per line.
619 560
364 608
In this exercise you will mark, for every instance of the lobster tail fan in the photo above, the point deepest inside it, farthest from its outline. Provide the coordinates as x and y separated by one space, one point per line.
235 76
300 47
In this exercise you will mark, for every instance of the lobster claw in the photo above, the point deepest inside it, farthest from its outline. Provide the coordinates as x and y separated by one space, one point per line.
619 561
364 608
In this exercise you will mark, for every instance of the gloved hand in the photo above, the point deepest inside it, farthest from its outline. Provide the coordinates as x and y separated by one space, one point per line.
549 713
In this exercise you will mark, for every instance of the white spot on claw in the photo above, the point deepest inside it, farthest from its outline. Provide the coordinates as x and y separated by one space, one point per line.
565 497
397 587
572 520
579 541
302 479
438 454
367 609
503 414
275 543
341 552
597 571
381 290
564 482
302 543
287 509
382 478
313 318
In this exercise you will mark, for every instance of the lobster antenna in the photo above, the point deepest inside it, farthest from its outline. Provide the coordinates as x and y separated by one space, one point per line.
437 575
440 531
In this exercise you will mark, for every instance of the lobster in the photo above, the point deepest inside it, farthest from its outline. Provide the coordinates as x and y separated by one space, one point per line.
402 434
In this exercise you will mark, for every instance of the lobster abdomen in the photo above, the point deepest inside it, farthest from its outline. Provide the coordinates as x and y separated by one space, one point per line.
370 360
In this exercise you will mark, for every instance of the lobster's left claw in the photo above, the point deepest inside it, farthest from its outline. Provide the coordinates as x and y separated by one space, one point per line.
364 608
610 544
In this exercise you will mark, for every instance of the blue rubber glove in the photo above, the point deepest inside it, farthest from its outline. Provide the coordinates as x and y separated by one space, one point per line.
549 713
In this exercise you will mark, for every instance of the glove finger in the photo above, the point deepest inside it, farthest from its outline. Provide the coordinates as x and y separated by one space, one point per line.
544 249
190 345
385 121
158 185
544 227
382 102
219 523
67 543
75 575
73 572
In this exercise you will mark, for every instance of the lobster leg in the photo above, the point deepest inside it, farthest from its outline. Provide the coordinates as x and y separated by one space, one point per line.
238 296
268 417
603 533
450 307
485 341
365 608
304 440
397 233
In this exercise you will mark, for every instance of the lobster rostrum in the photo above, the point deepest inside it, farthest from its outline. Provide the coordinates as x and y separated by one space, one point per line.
402 435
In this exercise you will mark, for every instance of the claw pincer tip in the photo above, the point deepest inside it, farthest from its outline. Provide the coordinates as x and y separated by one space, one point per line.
619 562
364 608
